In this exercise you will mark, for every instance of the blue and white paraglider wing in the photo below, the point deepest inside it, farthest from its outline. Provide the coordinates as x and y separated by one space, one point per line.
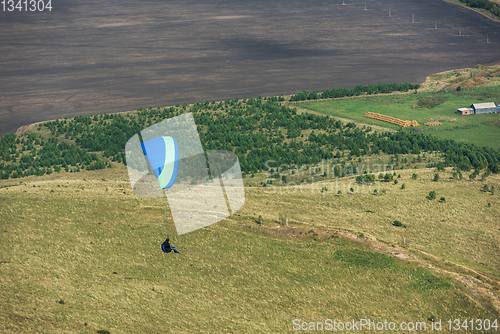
172 156
163 156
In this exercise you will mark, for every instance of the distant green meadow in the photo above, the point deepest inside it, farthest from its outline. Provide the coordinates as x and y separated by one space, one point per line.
482 130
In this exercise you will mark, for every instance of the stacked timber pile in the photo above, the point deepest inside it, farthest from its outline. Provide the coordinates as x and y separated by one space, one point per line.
391 120
435 123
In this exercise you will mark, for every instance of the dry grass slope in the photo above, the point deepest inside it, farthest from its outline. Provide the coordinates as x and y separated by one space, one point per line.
486 76
80 253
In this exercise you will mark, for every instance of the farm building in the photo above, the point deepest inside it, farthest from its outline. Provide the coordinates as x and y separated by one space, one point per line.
465 111
480 108
485 108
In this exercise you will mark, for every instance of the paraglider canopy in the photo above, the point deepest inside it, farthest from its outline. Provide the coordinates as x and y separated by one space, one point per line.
194 181
163 156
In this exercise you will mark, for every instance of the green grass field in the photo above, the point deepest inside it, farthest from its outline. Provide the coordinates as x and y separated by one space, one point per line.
406 107
80 253
483 134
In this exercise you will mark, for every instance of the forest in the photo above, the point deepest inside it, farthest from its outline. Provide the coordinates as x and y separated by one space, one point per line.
257 130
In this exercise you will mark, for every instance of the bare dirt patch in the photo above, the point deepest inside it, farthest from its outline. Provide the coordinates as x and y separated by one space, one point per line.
435 123
463 78
401 256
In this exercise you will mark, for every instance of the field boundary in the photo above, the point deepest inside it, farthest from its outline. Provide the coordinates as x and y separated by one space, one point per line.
455 2
352 97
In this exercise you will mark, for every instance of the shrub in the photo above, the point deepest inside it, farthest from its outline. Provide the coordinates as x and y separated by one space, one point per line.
403 186
398 224
395 181
489 204
486 188
414 176
436 177
432 195
442 199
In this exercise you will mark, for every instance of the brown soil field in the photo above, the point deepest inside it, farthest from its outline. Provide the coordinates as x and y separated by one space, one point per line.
89 57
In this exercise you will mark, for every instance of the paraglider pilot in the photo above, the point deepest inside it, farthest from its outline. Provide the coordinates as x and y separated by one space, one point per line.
167 247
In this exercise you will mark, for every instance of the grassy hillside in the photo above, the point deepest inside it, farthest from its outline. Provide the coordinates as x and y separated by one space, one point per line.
80 253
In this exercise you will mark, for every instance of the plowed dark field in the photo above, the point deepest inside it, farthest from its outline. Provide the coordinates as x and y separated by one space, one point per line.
87 57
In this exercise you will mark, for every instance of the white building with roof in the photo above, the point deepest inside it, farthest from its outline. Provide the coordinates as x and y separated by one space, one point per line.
484 108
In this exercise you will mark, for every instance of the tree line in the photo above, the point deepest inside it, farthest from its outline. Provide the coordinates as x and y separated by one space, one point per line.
30 155
257 130
356 91
483 4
